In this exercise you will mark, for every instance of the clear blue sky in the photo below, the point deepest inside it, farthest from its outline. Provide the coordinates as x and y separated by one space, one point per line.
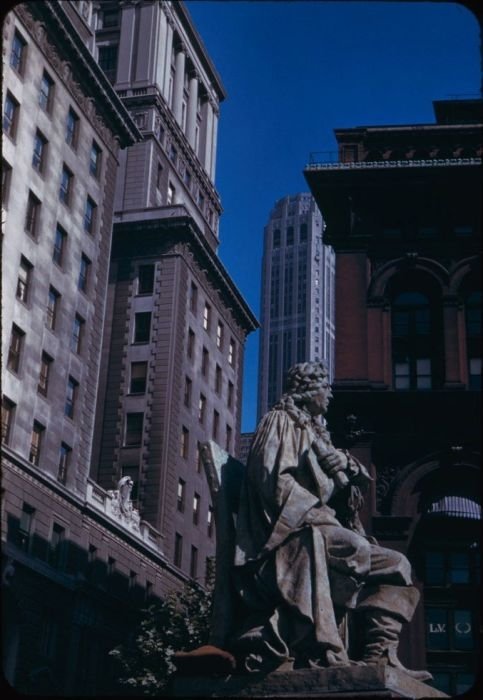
294 71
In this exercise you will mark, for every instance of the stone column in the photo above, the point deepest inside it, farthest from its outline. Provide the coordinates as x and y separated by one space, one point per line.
208 135
192 108
214 140
160 69
180 62
167 57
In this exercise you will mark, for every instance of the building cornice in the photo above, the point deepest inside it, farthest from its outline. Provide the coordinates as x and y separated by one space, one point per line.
54 32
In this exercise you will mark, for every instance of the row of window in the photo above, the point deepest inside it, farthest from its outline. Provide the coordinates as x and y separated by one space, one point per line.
218 385
196 507
208 322
289 236
178 557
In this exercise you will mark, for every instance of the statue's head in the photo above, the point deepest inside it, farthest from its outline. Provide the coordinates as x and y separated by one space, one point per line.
308 385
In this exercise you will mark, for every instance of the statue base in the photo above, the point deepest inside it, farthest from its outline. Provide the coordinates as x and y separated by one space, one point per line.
334 682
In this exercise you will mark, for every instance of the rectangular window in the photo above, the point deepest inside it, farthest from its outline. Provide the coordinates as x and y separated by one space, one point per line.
45 365
18 53
190 346
46 94
194 562
108 60
218 379
40 152
95 158
8 415
6 179
207 317
178 549
173 154
228 444
159 178
133 433
142 327
59 245
202 408
146 279
231 394
187 178
193 298
184 443
10 115
181 493
15 349
205 362
23 280
196 508
53 302
71 397
216 424
199 459
231 352
32 215
72 129
85 265
188 385
26 527
65 190
139 375
90 215
36 443
64 460
57 553
77 334
219 335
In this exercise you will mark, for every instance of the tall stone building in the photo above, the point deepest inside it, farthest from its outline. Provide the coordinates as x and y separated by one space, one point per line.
403 213
176 324
297 297
78 561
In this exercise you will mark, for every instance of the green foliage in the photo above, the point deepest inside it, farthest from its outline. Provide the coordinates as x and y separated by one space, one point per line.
179 622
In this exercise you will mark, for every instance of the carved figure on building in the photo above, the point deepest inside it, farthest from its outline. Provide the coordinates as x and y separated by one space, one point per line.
302 557
120 504
125 487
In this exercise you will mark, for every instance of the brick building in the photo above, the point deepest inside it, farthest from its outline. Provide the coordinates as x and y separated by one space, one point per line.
403 213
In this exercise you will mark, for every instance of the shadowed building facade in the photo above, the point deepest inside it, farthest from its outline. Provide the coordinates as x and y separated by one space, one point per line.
402 207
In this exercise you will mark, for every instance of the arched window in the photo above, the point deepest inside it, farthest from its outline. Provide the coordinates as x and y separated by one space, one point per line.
473 339
411 342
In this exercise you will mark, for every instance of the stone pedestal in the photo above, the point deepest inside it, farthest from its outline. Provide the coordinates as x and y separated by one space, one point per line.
335 682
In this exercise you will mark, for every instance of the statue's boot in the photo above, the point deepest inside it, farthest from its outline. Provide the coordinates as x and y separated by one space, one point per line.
382 640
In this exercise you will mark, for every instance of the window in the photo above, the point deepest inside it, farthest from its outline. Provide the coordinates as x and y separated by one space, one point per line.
411 348
85 265
193 298
448 628
15 349
6 179
77 334
71 397
180 497
18 53
23 280
65 190
56 555
25 527
45 365
187 178
145 279
108 60
8 415
95 160
188 385
202 408
46 93
184 443
207 317
90 215
193 562
209 521
72 129
276 238
190 346
173 154
159 178
133 432
40 152
53 301
231 394
450 567
201 200
142 327
32 215
199 458
218 379
205 362
171 193
178 549
59 245
219 335
303 233
64 460
216 424
139 374
36 443
231 352
229 433
290 235
196 508
10 115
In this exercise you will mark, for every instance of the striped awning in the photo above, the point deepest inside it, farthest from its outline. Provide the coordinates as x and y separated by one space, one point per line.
455 507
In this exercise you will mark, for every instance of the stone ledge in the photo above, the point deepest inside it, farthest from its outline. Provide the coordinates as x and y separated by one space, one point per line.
335 682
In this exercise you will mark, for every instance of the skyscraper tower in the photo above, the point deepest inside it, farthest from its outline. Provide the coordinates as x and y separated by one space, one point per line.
297 298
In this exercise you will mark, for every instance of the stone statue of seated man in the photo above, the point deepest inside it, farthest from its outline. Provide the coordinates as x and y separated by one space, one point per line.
302 558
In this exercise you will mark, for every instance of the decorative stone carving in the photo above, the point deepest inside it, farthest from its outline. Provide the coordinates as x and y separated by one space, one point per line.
385 478
121 505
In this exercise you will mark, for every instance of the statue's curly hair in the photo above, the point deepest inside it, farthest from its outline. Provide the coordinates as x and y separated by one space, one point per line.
304 379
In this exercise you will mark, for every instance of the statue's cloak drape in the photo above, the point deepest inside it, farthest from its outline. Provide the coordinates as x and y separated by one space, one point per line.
283 487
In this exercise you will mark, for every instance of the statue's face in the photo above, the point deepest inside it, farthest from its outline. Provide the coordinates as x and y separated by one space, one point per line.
319 403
